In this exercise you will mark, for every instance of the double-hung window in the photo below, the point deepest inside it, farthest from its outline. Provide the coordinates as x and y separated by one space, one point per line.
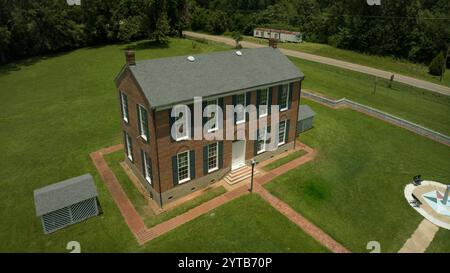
282 132
147 168
261 142
143 122
240 115
284 97
128 147
183 167
213 157
214 118
263 102
124 105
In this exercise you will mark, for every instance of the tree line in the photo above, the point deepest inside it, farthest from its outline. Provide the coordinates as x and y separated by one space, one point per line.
417 30
35 27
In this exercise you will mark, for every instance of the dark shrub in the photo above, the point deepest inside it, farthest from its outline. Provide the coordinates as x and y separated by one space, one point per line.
436 67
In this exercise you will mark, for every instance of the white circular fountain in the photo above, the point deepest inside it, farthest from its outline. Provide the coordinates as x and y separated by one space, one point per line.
431 199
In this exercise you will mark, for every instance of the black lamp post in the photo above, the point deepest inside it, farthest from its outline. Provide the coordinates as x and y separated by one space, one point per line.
253 171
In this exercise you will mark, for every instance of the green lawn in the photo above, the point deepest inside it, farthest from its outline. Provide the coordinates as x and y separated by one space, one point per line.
141 204
55 111
426 108
247 224
353 190
404 67
284 160
441 242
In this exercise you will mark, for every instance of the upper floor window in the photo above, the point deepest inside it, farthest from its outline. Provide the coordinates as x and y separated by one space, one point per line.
146 167
183 167
261 142
240 115
128 146
213 157
143 122
181 120
213 114
284 97
282 132
124 106
263 102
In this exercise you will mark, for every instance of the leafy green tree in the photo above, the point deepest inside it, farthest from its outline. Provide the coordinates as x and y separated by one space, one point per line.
130 28
437 65
162 30
179 14
5 38
237 37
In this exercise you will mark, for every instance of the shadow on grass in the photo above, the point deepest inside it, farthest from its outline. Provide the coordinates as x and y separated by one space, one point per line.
16 66
13 66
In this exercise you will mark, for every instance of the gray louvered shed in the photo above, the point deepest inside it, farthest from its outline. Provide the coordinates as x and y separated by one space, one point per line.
67 202
305 118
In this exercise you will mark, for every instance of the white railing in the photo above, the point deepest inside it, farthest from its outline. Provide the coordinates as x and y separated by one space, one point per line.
416 128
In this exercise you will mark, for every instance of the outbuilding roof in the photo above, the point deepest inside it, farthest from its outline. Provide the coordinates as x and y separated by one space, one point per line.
172 80
278 30
64 193
305 112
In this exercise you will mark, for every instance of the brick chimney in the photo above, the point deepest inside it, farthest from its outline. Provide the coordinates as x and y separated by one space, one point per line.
129 57
273 42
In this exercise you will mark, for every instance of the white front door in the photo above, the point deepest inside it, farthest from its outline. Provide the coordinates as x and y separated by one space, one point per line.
238 154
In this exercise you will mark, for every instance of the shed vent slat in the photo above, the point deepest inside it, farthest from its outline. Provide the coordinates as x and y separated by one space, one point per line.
56 219
69 215
83 210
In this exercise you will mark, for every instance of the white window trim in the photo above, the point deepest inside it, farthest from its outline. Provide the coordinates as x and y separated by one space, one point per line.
141 123
210 130
217 158
188 167
287 98
124 112
264 143
245 103
267 104
146 167
129 152
284 133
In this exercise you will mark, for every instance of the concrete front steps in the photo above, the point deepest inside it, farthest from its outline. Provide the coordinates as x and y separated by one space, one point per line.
239 175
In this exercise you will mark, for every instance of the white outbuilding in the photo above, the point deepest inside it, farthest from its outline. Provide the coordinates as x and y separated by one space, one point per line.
279 34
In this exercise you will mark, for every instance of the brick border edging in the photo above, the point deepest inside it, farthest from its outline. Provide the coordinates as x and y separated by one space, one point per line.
129 213
144 234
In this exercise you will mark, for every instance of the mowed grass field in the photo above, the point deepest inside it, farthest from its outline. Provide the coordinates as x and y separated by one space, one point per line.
139 201
394 65
57 110
353 190
423 107
441 242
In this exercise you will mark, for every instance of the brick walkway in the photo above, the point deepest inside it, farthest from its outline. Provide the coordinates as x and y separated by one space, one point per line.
290 213
144 234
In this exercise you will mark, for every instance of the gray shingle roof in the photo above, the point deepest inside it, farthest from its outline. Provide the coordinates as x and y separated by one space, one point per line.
305 112
64 193
167 81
